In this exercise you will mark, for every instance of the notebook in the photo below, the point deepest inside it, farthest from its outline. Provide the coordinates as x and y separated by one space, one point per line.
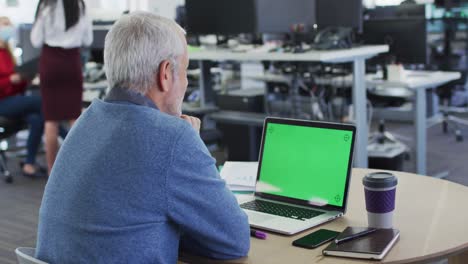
240 176
303 175
374 246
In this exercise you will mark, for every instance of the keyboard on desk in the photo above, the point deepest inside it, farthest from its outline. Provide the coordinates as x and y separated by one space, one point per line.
280 210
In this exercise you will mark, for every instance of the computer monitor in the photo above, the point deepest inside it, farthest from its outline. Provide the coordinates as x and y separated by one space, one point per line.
99 36
407 38
306 151
339 13
386 12
97 55
450 3
411 10
278 16
380 12
229 17
181 16
223 17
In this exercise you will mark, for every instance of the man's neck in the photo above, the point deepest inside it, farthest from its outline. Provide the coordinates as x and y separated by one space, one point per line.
160 99
157 100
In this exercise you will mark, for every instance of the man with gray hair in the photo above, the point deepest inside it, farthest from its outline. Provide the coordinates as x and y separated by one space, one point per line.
133 182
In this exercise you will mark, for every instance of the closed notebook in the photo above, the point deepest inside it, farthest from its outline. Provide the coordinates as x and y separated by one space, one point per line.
372 246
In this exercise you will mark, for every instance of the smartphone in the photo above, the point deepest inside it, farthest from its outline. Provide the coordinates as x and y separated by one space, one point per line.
316 238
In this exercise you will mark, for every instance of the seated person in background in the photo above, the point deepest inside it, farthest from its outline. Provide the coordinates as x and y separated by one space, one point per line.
133 182
14 105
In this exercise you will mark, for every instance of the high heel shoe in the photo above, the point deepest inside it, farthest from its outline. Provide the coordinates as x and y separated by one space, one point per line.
34 175
39 173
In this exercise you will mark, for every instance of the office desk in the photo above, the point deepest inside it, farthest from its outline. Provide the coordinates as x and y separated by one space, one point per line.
94 90
430 213
419 82
239 118
196 110
356 55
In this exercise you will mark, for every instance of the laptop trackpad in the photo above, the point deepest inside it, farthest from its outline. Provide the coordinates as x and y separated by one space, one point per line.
259 218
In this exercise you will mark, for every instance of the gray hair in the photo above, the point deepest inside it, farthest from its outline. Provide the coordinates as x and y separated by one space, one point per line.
135 47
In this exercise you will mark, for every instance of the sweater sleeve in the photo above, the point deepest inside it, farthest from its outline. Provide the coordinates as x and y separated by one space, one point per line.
210 220
37 32
88 31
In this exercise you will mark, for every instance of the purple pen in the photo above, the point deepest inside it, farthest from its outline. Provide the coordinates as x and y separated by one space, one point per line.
258 234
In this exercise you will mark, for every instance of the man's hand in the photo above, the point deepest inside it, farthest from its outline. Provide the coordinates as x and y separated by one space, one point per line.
193 121
15 78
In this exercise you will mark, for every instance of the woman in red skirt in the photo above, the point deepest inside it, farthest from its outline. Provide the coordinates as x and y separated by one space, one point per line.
61 27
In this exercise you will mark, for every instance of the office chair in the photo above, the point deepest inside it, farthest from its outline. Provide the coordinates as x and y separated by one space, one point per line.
25 255
451 119
452 115
8 128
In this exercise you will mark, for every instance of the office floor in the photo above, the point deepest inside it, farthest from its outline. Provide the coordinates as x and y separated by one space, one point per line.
444 154
19 205
20 201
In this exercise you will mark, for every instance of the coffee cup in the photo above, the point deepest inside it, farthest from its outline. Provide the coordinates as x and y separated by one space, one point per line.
380 190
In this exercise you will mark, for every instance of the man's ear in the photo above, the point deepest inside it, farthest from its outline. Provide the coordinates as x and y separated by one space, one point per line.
164 76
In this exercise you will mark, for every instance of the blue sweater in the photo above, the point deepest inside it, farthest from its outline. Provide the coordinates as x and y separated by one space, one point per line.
130 185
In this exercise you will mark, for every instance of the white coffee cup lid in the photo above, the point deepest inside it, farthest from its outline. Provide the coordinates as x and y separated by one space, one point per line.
380 180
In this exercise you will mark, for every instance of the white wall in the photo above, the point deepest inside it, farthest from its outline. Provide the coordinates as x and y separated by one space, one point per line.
23 13
120 5
106 9
161 7
111 8
165 8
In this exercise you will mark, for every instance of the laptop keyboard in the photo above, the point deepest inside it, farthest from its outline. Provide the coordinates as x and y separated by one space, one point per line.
280 209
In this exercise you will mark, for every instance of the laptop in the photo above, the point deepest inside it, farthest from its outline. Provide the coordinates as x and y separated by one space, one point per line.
303 175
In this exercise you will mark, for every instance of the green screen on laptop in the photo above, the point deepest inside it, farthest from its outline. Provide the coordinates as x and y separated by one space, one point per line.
306 163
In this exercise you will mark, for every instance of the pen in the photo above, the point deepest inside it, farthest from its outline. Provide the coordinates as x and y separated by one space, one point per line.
258 234
354 236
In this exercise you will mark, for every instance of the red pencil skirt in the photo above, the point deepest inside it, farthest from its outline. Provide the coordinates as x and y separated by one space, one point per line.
61 83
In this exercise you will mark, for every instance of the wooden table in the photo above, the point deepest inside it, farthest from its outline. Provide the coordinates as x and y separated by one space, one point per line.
430 213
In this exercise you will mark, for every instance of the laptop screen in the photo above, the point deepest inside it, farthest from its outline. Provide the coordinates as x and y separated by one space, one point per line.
306 162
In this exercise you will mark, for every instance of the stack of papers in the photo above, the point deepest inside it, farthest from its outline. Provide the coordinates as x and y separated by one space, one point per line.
240 176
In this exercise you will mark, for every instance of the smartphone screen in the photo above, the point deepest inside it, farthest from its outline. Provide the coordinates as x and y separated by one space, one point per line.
316 238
